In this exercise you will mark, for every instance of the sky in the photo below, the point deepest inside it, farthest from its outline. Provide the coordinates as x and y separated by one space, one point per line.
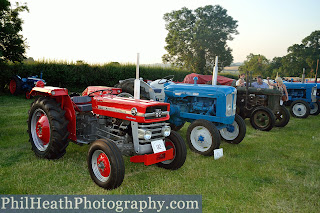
103 31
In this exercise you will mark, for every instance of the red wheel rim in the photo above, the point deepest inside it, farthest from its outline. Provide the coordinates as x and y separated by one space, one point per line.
28 96
43 129
12 86
170 145
103 165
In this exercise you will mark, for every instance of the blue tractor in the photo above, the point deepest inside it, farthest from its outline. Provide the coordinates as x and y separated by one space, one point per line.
211 110
303 100
20 85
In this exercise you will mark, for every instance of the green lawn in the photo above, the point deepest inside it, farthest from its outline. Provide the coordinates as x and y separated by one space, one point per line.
276 171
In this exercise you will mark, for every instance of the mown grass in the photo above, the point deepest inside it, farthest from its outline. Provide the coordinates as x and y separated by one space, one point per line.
276 171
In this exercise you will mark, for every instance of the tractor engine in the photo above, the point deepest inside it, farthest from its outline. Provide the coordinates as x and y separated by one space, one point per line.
131 125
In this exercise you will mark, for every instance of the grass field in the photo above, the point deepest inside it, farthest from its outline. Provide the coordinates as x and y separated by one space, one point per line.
276 171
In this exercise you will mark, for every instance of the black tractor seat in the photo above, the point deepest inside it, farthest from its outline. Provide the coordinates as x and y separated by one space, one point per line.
83 103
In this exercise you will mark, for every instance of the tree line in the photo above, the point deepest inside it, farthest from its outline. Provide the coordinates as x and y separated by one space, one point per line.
299 56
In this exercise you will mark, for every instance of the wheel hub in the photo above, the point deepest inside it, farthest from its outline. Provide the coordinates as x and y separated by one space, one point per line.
43 129
200 138
230 128
12 86
103 165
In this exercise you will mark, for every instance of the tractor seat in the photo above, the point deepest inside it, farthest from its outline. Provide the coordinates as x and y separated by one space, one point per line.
83 103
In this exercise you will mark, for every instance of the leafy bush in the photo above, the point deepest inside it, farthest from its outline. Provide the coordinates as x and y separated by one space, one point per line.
77 76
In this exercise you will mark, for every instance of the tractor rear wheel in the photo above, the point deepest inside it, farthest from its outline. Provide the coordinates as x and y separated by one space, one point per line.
105 164
176 142
15 85
315 108
300 109
235 132
47 128
262 118
203 137
282 117
127 86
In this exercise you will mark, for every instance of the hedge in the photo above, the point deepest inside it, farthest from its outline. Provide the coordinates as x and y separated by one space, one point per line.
79 76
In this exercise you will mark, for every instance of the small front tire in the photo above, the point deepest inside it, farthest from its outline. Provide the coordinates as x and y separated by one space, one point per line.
235 132
105 164
203 137
262 118
315 108
300 109
282 117
175 141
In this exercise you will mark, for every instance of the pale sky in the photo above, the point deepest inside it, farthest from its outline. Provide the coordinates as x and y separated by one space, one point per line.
102 31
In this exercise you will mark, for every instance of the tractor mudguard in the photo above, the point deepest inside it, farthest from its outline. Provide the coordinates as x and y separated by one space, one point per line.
61 96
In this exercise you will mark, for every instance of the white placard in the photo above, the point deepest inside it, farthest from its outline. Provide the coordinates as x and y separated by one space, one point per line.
314 92
218 153
158 146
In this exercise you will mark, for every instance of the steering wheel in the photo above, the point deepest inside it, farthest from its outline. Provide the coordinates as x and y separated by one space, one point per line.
125 95
100 90
167 78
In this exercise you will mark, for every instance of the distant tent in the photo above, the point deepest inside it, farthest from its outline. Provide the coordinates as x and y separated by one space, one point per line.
205 79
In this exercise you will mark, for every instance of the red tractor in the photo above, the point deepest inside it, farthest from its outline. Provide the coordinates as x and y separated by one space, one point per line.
112 125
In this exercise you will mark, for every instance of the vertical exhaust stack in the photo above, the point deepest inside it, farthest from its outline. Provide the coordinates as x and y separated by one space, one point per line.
303 75
215 72
136 94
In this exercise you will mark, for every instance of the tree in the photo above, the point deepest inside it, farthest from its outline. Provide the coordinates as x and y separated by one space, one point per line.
258 64
196 37
12 44
303 55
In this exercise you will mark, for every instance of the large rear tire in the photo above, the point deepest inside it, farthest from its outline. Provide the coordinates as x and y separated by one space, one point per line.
47 128
262 118
105 164
175 141
235 132
127 86
15 86
300 109
203 137
282 117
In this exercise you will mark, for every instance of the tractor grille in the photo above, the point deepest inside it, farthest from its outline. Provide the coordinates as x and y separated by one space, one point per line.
155 129
155 112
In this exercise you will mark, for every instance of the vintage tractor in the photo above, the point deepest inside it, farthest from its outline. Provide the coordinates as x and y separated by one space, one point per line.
210 110
262 106
20 85
302 99
112 125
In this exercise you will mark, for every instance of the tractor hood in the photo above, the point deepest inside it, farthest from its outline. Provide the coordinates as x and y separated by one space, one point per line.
142 111
298 85
203 90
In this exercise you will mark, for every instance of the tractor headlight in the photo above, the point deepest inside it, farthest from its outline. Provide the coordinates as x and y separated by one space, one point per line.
166 130
144 134
229 105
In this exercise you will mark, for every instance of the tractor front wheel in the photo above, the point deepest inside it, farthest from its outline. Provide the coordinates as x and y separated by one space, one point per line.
105 164
262 118
203 137
47 128
282 117
315 108
300 109
235 132
175 141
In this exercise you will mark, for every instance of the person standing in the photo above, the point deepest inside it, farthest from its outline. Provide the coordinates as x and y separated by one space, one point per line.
281 87
240 82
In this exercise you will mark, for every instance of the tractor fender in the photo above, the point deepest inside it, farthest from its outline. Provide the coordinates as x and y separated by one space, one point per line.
61 96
